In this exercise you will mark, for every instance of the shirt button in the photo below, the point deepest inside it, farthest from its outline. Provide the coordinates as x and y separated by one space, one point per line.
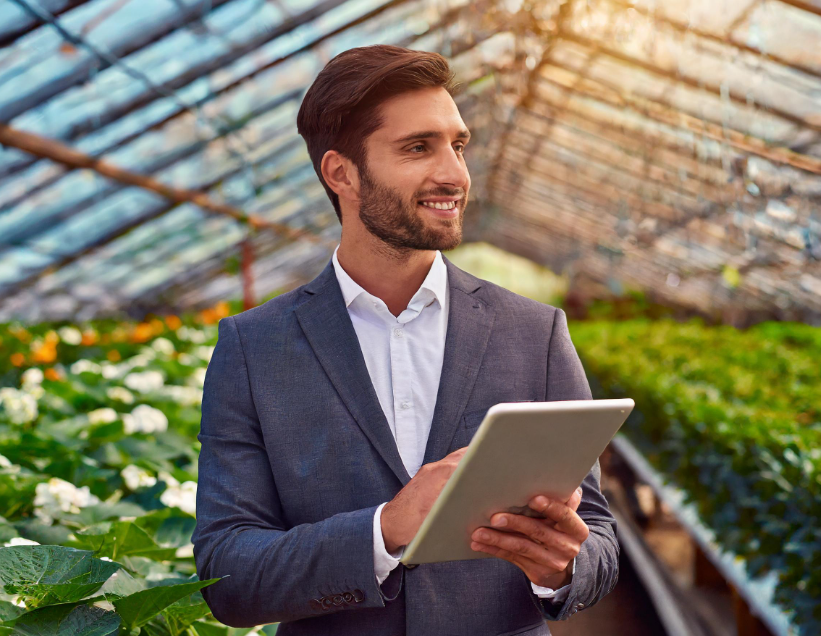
398 333
405 405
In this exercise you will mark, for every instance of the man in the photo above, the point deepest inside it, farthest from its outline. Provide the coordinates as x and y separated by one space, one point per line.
333 414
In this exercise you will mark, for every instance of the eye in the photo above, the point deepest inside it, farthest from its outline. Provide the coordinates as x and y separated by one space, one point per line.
460 146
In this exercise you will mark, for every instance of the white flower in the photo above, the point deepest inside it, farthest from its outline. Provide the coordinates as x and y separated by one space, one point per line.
102 416
19 541
121 394
7 467
33 376
168 478
70 335
145 381
183 395
145 419
59 495
192 335
106 559
142 359
110 371
183 497
163 345
197 378
20 406
136 477
83 365
204 353
188 360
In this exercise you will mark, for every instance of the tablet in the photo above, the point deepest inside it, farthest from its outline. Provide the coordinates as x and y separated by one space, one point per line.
520 450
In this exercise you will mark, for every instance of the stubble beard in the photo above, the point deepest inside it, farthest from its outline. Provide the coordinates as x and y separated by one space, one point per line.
400 224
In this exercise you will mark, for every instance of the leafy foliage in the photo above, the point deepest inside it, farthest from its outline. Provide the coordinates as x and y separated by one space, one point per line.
733 418
98 470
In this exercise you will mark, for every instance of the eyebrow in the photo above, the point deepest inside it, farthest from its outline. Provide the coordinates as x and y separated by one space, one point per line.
427 134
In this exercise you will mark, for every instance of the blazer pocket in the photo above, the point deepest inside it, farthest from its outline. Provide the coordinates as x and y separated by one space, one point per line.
473 419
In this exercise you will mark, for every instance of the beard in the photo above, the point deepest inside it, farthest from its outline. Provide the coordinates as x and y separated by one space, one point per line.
401 224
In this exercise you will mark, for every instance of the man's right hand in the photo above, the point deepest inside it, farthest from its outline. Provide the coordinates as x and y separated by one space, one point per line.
402 515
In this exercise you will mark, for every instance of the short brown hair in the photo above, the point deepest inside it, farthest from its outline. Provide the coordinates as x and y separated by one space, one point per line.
341 108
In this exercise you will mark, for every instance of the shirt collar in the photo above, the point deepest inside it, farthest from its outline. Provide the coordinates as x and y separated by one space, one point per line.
435 282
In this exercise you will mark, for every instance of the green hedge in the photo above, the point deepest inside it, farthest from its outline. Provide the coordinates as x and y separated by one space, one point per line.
733 418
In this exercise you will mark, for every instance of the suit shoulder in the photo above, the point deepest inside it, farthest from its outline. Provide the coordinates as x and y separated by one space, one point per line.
502 297
273 309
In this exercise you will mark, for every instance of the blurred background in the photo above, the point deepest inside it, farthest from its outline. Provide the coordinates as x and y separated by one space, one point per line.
654 168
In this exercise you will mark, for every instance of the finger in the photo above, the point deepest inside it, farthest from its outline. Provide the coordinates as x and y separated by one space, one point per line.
565 519
538 531
575 499
536 572
521 546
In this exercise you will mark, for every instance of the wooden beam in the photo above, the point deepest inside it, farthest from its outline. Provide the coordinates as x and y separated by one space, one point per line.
663 113
60 153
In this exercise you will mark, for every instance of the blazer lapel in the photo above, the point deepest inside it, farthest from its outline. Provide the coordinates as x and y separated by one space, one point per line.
470 320
330 332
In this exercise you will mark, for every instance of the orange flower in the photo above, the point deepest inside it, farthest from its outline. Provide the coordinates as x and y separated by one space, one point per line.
52 374
142 332
113 355
89 338
45 354
17 359
173 322
213 315
21 334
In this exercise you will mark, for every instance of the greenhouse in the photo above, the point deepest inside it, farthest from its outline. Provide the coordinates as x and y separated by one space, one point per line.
650 169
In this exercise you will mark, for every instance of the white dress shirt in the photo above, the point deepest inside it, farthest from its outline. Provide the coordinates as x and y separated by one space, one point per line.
404 358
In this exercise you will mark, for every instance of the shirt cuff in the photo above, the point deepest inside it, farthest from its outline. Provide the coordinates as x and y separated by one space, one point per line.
383 561
548 592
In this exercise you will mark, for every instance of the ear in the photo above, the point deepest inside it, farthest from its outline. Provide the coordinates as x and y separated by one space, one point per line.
341 175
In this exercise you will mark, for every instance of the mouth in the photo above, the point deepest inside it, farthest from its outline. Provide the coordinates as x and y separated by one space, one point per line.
441 211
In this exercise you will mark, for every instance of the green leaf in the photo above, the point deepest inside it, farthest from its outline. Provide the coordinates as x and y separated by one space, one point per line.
48 574
137 609
10 611
181 614
69 619
121 538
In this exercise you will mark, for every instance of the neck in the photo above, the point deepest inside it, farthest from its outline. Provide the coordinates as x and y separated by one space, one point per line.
382 270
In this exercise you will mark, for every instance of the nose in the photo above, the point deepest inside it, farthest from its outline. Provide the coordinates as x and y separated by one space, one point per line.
451 169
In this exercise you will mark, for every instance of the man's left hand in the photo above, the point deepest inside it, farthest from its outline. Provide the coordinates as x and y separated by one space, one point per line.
542 548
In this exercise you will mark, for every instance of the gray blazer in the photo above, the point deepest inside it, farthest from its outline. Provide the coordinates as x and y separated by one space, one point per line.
297 454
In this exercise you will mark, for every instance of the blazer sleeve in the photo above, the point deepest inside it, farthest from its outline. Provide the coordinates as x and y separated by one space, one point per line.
273 572
597 564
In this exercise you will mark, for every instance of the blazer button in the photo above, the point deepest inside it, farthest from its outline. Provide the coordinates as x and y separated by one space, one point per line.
358 595
411 566
580 606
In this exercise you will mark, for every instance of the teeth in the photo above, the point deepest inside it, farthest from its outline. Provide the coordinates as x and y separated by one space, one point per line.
440 206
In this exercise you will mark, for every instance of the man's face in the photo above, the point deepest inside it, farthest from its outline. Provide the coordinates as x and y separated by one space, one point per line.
403 169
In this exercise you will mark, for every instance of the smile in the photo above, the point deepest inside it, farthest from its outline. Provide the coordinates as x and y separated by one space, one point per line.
445 205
